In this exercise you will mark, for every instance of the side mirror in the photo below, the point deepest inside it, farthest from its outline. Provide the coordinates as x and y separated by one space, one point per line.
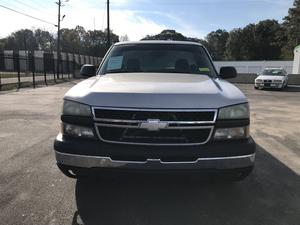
228 72
88 70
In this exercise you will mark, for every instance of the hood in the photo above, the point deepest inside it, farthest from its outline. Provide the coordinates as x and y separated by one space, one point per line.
156 90
270 77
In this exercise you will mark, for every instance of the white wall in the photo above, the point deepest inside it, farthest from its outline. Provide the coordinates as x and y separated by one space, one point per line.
296 66
23 60
8 60
81 59
87 59
70 57
255 66
39 61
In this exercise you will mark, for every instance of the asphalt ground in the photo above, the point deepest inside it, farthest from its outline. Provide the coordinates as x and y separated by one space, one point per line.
34 191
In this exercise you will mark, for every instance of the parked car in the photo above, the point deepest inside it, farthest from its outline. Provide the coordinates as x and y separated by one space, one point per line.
157 106
272 78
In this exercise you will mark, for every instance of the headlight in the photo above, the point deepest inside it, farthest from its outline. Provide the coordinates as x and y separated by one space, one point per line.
234 112
231 133
258 81
77 131
76 109
277 81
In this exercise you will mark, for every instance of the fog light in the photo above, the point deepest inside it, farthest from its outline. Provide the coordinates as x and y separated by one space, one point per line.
77 131
231 133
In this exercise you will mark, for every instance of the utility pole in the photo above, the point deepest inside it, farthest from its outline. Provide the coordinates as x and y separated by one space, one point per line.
94 23
108 28
58 38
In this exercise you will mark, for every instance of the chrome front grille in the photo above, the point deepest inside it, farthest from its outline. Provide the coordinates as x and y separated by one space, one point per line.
153 126
267 81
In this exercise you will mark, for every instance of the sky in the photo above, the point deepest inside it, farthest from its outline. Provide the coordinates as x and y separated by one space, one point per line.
137 18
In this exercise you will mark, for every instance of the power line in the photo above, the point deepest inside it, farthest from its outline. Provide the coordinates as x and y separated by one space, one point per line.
25 4
11 4
39 3
24 14
33 7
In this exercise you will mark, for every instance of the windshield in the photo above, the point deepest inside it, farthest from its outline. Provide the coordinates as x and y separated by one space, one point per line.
154 58
274 72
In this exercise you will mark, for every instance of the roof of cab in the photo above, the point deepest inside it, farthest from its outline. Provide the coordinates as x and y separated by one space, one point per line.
158 42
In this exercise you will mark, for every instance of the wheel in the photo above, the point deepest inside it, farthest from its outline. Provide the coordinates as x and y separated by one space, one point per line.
285 85
255 87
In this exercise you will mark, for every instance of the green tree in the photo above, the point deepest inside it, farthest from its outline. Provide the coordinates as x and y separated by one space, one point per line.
28 40
44 40
72 40
21 40
268 40
234 45
241 44
216 43
76 40
292 27
262 41
174 36
167 35
96 42
91 42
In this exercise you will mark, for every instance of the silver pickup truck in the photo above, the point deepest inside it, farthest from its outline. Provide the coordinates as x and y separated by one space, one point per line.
155 106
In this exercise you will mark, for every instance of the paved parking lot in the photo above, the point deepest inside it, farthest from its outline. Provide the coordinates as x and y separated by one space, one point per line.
33 191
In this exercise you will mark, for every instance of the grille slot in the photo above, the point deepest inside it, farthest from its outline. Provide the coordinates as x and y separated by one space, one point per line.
267 81
164 136
108 114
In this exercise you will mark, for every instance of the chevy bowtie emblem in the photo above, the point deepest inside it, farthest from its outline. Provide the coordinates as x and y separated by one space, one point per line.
153 125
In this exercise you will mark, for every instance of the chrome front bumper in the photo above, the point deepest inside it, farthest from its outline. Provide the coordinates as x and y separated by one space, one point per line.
84 161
